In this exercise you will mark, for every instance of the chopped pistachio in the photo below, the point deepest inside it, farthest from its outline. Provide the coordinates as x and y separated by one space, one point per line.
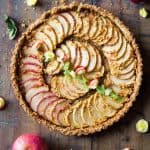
142 126
48 56
143 12
32 2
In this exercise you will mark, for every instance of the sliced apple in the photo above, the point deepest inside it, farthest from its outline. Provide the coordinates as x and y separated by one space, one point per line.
41 108
35 84
52 67
78 57
57 26
111 102
113 49
42 36
75 115
99 61
63 20
131 66
36 100
84 32
71 20
51 33
67 52
85 58
31 60
63 117
73 52
35 91
94 27
93 58
60 107
31 68
50 108
126 56
127 75
121 82
115 38
100 28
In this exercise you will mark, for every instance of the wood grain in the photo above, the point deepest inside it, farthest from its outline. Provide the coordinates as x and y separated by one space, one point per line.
13 121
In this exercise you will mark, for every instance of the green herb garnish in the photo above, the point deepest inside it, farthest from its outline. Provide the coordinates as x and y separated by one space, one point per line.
66 68
11 27
83 81
48 56
108 92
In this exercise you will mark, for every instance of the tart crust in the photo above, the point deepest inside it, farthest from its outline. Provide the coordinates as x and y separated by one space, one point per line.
69 130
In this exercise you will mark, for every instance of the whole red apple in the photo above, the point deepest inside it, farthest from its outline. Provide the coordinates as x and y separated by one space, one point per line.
29 142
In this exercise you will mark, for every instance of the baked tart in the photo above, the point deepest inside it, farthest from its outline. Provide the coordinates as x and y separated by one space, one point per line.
77 69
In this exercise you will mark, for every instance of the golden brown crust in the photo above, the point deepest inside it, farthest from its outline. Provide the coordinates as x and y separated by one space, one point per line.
69 130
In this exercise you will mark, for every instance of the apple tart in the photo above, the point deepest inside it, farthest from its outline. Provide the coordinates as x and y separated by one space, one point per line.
77 69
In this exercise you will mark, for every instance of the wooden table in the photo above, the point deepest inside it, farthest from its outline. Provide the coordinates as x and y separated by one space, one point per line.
14 121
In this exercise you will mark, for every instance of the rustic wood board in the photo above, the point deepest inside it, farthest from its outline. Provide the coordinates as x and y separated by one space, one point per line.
14 121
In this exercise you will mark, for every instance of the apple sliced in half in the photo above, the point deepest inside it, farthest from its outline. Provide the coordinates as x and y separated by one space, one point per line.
35 91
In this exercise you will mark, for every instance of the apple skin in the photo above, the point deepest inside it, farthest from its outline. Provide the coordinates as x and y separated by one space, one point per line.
29 142
137 1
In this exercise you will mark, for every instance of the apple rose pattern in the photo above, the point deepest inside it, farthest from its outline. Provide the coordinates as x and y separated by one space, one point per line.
92 78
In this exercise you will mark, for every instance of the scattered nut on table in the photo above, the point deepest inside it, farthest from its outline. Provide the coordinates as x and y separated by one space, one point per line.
2 103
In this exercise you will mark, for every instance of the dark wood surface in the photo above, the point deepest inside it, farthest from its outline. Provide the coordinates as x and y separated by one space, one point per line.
14 121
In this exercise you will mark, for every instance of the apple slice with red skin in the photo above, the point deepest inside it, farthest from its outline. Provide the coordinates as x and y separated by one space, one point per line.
50 108
31 60
67 52
44 103
59 107
73 52
38 98
78 57
35 91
